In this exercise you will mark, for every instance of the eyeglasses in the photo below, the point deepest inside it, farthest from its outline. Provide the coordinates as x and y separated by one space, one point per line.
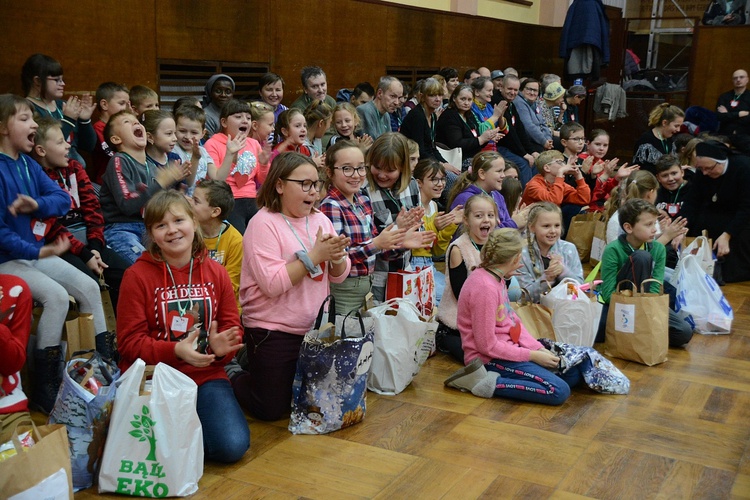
577 139
307 184
349 171
438 180
58 79
557 162
531 91
707 169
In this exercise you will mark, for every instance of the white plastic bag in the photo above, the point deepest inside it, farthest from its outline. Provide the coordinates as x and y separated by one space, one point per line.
700 247
575 316
699 299
403 342
155 442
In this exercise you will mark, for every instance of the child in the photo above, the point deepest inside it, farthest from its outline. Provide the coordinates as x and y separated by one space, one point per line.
635 256
664 122
462 257
549 185
261 129
502 358
84 224
394 195
318 117
111 98
190 121
348 125
546 257
351 213
573 138
161 138
143 99
290 133
128 183
486 176
413 153
249 163
186 101
33 200
212 201
430 175
178 299
512 191
42 81
673 187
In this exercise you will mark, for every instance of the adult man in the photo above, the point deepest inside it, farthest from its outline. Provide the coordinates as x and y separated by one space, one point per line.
733 112
516 146
374 115
316 87
485 72
360 94
470 75
497 81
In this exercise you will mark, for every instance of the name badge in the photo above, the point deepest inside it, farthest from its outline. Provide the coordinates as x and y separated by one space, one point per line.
39 229
734 104
673 209
513 120
317 273
179 324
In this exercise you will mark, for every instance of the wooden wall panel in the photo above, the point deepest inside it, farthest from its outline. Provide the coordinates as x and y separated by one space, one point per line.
718 51
414 35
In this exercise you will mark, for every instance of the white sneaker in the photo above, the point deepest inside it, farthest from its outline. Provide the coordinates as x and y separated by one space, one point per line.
467 377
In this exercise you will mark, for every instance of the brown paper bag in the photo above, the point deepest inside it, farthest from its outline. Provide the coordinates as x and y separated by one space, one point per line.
535 317
599 241
581 233
79 333
109 310
638 325
44 469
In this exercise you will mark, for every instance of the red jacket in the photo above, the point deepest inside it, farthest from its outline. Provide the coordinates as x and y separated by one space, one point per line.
148 301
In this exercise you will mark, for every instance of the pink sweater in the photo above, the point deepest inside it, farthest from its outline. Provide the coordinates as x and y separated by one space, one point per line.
266 293
246 172
485 319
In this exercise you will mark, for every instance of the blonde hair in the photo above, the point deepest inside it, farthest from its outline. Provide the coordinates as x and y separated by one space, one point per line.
636 186
152 118
534 213
259 109
482 161
664 111
157 207
349 108
390 152
686 155
502 246
413 147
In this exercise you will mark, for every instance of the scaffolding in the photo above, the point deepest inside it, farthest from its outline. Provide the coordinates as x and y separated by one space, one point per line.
658 27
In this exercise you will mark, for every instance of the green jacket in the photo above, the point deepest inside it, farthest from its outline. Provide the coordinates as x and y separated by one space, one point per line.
614 257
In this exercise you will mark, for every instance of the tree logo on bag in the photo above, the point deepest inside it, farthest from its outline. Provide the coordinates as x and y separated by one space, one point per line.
143 430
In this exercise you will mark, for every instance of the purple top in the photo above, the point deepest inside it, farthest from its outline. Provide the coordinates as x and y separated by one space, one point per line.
502 210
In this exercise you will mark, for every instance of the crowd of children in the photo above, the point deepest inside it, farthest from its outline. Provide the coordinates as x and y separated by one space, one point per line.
221 226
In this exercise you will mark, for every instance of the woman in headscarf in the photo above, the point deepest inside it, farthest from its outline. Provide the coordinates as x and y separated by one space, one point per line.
219 91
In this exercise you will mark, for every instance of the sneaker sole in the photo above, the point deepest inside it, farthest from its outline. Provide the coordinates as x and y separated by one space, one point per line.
475 365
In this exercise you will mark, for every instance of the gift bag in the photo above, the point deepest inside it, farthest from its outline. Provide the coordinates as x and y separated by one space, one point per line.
80 333
155 442
535 317
330 387
700 247
41 471
599 241
402 343
575 316
418 287
83 405
581 233
638 325
699 299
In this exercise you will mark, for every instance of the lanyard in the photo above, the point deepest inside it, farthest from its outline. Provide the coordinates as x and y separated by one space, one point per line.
394 200
182 310
26 188
677 194
218 240
307 230
148 169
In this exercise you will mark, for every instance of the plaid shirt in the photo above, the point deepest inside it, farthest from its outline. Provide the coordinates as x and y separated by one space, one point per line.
355 221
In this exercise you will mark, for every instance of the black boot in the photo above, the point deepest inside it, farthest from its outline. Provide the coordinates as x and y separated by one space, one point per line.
106 345
48 369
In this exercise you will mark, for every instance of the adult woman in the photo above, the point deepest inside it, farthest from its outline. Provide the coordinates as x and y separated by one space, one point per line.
271 91
484 112
664 121
553 100
457 127
420 124
718 202
291 252
219 91
531 116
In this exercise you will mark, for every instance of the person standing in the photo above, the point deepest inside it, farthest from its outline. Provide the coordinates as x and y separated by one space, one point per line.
733 112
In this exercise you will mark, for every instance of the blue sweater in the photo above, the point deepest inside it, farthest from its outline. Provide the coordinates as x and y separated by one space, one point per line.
26 176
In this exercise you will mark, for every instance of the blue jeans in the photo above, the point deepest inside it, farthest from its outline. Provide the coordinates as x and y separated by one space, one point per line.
226 434
423 262
529 381
126 238
525 172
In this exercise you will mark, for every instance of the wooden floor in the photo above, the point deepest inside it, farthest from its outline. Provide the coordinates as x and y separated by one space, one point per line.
682 432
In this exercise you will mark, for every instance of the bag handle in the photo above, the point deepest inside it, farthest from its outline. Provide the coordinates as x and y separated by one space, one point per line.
618 288
148 372
361 323
34 430
525 298
652 280
91 356
331 301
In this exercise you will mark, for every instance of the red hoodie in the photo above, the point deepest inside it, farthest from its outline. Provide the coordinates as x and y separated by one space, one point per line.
148 301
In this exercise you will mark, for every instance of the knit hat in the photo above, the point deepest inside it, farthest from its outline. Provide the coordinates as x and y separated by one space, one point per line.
576 90
714 150
496 74
547 157
210 85
554 91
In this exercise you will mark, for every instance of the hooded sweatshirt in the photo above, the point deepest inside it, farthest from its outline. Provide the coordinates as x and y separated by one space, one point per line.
148 293
502 210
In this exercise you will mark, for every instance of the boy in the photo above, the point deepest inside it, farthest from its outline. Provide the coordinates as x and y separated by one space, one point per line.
83 225
129 183
213 201
636 256
573 140
191 121
142 99
674 188
111 98
549 185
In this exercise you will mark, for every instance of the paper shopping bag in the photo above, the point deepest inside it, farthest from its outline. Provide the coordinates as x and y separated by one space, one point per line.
535 317
581 233
599 241
418 287
155 443
638 325
330 386
80 333
42 471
